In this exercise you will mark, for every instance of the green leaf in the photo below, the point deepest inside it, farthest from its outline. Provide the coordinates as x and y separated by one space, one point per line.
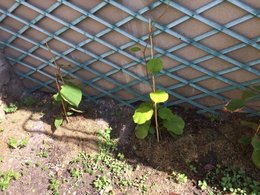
256 158
58 121
248 94
235 104
69 113
56 97
141 131
152 130
159 96
174 125
12 143
71 94
155 65
256 142
135 49
143 113
165 113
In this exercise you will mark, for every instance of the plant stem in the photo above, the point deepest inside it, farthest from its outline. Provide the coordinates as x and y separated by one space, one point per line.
153 83
59 75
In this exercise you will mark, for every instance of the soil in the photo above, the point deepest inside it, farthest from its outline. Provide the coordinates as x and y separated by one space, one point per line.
206 142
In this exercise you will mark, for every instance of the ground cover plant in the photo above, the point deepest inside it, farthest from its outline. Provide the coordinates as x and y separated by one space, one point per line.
250 95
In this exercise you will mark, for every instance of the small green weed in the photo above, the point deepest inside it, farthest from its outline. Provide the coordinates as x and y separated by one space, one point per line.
140 184
202 184
231 180
180 178
6 177
13 143
76 172
101 183
107 162
54 186
43 154
23 142
11 108
191 166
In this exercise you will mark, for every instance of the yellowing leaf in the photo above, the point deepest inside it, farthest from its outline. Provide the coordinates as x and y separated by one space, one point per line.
159 96
143 113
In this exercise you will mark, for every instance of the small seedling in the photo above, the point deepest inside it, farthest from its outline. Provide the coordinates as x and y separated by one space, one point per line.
120 156
191 166
11 108
54 186
101 183
43 154
6 177
180 178
76 172
202 184
231 180
13 143
23 142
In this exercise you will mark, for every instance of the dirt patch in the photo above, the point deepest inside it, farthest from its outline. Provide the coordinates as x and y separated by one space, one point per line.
207 142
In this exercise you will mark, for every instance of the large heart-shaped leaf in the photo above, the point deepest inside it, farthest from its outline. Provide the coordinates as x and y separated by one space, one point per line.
159 96
235 104
143 113
71 94
256 142
174 125
155 65
165 113
256 158
141 131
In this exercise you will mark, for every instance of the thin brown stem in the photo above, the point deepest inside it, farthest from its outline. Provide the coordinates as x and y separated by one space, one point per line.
258 129
153 83
58 75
